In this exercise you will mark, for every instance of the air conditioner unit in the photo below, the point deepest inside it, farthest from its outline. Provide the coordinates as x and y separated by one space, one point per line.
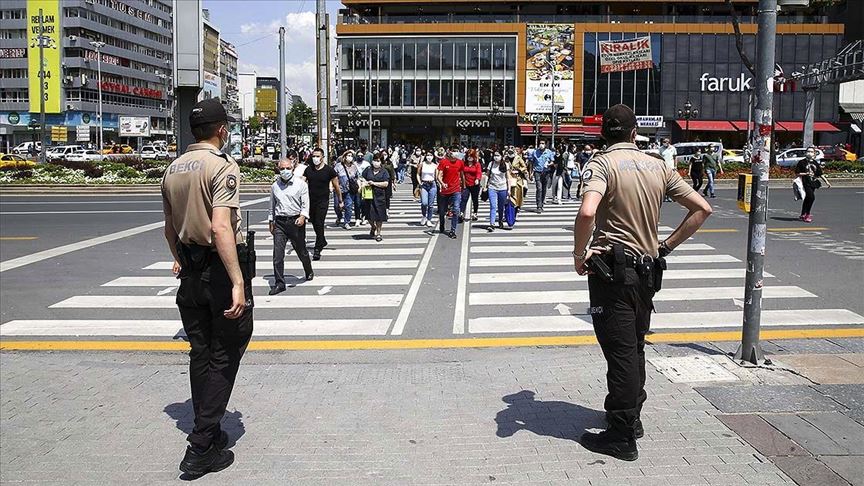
73 38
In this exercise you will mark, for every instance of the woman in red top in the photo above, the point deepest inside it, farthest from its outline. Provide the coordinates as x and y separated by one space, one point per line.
473 174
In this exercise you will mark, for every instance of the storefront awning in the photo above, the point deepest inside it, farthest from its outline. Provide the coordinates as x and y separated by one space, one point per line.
796 126
528 129
741 125
707 125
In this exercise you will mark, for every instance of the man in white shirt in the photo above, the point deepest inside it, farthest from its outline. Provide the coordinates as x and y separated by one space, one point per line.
668 152
289 210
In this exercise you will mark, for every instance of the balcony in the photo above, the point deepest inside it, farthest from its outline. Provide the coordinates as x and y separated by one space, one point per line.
453 18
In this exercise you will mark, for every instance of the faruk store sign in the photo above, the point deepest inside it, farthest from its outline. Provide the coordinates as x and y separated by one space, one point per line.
712 84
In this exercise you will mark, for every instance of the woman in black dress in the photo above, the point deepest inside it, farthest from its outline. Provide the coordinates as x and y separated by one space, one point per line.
377 177
697 168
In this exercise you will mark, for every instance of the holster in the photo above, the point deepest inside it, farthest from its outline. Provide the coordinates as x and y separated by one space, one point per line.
659 267
619 263
246 257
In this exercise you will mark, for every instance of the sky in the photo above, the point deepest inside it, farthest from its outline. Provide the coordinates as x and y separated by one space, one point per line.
253 27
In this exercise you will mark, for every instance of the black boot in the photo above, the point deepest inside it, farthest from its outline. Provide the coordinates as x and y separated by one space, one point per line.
638 430
611 443
200 463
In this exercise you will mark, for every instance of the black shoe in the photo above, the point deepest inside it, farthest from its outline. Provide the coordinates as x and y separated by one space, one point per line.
277 290
473 217
310 276
638 430
451 235
490 228
461 219
316 255
500 225
221 442
610 443
200 463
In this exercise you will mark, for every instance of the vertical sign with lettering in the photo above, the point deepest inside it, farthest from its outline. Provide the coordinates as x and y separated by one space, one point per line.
49 37
550 46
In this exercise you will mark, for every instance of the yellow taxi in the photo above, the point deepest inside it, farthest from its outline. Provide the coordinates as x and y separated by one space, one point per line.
117 149
17 161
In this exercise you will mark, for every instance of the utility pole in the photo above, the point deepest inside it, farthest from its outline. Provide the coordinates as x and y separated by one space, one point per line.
809 109
750 349
98 46
369 97
283 135
322 40
42 89
554 105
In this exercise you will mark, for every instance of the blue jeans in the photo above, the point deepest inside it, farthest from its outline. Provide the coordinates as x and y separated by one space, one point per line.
400 173
452 203
497 201
709 189
428 196
348 211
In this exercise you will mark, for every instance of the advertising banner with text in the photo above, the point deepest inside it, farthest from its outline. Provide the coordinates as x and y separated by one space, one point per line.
625 55
50 41
549 46
134 126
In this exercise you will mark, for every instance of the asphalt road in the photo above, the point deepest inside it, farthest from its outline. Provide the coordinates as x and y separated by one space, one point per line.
417 285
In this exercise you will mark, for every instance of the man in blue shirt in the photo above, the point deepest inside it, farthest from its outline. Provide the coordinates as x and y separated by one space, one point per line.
540 167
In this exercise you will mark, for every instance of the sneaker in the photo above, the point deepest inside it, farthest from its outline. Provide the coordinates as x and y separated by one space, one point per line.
808 218
316 255
344 226
451 235
473 217
490 228
221 442
423 221
196 463
610 443
277 290
429 223
801 218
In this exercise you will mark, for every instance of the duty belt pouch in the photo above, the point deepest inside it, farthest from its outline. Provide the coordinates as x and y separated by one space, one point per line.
645 269
659 267
620 263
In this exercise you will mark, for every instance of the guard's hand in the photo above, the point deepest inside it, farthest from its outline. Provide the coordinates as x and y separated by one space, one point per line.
300 221
175 269
238 302
272 227
341 204
579 263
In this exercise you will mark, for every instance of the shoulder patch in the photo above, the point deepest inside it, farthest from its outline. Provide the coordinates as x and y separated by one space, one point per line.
231 182
586 174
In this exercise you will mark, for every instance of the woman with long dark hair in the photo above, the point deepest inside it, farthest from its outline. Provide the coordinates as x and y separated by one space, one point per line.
498 185
473 174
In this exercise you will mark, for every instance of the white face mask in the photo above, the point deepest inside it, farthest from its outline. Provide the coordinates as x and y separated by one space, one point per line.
416 152
497 158
349 159
376 164
226 145
317 160
542 146
428 158
286 174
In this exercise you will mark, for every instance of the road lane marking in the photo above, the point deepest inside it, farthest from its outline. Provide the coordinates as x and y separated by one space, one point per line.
802 228
565 249
668 295
411 295
118 211
18 238
261 301
157 199
536 277
174 329
462 284
353 264
672 320
445 343
343 242
62 250
290 280
556 261
717 230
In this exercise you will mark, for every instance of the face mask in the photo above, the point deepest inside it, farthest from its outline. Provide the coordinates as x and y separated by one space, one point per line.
416 152
226 145
349 159
497 158
316 160
811 155
286 174
428 158
376 164
542 147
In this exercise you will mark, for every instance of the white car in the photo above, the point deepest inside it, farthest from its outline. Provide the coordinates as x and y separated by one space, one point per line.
791 157
686 150
24 148
152 153
88 155
61 151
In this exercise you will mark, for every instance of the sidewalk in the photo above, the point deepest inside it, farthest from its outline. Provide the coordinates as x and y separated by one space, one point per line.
460 416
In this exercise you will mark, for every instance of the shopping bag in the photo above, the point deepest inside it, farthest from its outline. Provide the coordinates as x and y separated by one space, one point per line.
510 213
798 188
367 192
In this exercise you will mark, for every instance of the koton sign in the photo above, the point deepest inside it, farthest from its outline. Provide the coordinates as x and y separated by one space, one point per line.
626 55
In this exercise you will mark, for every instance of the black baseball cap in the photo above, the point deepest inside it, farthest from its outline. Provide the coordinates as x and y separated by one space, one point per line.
619 118
208 111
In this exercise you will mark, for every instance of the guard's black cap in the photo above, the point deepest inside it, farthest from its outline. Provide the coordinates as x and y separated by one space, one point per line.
618 119
208 111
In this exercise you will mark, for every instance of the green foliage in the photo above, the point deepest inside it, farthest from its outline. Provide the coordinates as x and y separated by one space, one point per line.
251 174
254 124
300 114
844 166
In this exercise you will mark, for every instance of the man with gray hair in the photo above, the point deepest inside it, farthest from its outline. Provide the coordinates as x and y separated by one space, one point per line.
289 210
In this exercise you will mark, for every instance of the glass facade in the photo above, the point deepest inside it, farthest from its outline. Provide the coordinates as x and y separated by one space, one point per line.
466 74
638 89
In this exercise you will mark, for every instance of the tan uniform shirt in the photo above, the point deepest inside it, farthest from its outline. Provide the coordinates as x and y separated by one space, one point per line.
632 184
201 179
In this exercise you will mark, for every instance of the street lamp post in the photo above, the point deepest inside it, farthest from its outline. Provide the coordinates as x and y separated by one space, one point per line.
98 46
687 114
164 78
553 74
493 115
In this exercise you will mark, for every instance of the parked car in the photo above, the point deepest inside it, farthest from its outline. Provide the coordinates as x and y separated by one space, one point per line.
24 148
85 155
686 150
16 161
61 151
733 156
117 149
791 157
833 152
153 152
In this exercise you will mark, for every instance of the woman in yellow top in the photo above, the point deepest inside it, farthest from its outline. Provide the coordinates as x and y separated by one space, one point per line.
518 177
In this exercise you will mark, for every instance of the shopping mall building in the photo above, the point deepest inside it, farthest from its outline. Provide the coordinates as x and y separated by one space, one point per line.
477 71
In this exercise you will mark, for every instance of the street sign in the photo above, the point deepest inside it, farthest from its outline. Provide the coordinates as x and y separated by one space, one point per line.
58 133
82 133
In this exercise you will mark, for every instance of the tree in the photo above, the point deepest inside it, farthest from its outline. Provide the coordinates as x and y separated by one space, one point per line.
254 124
300 116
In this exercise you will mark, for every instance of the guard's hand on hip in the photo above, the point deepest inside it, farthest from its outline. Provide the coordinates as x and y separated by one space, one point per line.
238 302
272 227
579 263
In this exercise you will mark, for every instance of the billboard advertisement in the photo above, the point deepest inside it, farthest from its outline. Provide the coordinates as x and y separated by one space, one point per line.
266 102
625 55
550 46
212 86
134 126
50 41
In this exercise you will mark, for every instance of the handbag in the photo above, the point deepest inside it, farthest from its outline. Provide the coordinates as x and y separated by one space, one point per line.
798 188
353 187
367 192
510 213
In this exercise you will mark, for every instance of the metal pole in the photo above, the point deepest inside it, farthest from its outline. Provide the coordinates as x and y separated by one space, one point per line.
750 349
687 128
369 98
749 117
99 83
809 108
323 84
41 39
283 136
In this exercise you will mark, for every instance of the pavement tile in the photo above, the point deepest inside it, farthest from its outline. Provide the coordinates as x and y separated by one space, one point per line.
808 471
822 433
850 468
767 398
761 435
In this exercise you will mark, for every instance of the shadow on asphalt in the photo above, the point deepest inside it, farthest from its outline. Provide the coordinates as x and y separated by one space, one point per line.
561 420
184 419
781 218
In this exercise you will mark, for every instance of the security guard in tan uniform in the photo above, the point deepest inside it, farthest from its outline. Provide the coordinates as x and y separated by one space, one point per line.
623 190
201 200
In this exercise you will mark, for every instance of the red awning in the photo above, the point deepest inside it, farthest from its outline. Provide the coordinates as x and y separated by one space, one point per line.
706 125
825 127
528 129
792 126
797 126
741 125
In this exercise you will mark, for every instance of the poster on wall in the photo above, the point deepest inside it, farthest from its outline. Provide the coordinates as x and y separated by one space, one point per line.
625 55
549 46
134 126
49 37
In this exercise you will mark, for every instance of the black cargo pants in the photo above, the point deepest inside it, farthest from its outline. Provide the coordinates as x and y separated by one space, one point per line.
621 314
218 344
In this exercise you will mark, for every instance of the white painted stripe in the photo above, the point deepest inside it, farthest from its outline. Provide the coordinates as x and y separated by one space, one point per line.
667 295
386 232
117 211
298 280
462 284
572 276
556 261
335 251
509 237
343 243
515 248
411 295
481 229
156 200
62 250
293 264
660 321
280 301
170 329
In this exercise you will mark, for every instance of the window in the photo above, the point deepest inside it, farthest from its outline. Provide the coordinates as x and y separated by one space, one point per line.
345 94
396 93
384 56
498 93
485 55
359 57
347 50
473 55
510 49
408 92
446 56
383 93
409 55
510 93
446 93
422 56
498 60
472 99
397 57
359 93
421 97
485 93
434 93
434 56
459 93
461 61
